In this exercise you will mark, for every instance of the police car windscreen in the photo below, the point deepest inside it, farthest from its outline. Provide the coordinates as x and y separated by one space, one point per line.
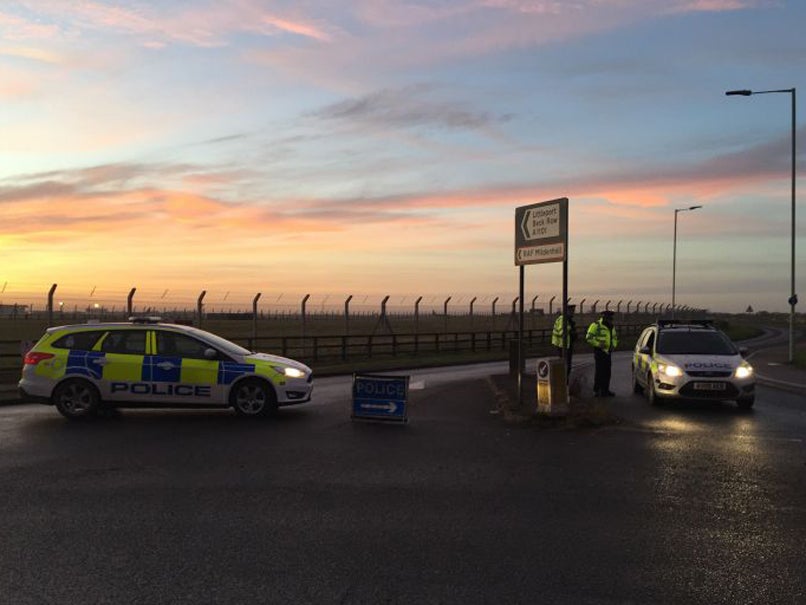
695 343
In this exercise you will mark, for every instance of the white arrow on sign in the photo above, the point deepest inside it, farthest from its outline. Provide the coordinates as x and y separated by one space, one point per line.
541 222
389 406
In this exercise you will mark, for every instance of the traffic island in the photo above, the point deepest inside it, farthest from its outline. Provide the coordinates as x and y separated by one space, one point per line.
583 411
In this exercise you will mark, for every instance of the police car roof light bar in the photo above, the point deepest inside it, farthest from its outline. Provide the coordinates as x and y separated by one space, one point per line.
150 319
705 323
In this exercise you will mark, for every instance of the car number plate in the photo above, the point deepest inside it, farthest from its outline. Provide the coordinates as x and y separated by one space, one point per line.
709 386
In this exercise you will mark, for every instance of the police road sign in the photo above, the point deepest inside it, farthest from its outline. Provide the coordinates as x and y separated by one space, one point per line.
380 397
541 232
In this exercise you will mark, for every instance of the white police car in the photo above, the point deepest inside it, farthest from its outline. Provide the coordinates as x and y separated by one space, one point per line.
679 359
146 363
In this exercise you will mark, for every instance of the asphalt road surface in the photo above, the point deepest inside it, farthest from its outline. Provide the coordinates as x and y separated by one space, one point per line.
685 504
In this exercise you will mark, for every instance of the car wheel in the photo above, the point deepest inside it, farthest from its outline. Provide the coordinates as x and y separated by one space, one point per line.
636 386
76 398
253 397
745 403
651 395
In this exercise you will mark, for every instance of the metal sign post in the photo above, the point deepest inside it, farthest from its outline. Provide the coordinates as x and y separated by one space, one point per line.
541 236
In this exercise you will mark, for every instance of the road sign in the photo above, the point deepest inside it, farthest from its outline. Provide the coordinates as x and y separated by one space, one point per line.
541 232
380 397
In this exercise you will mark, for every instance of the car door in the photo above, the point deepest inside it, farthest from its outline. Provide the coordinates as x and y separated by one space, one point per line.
123 353
184 370
642 358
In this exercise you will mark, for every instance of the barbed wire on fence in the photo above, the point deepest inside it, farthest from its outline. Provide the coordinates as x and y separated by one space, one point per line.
104 303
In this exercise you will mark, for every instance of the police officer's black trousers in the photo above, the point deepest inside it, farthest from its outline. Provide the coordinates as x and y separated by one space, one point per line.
601 377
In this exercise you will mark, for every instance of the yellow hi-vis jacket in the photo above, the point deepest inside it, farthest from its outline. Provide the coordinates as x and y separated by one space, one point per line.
599 336
557 332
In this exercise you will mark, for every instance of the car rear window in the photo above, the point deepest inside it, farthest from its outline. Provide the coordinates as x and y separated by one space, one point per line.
695 343
81 341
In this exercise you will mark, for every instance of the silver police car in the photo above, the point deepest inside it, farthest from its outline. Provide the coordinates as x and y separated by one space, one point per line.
684 359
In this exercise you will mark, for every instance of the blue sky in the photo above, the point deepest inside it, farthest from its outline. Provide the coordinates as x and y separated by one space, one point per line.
381 147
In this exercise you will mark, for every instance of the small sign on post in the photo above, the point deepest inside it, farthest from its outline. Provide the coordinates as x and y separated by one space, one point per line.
541 232
380 397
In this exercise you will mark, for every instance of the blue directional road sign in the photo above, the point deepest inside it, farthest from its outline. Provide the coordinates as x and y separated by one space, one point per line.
380 397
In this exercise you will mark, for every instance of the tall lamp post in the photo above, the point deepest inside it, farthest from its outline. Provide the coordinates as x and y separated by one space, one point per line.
674 251
793 299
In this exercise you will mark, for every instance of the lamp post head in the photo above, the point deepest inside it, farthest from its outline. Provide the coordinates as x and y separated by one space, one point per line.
741 93
694 207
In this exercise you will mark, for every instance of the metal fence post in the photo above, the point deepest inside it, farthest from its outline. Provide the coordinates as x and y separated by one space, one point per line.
199 306
50 304
129 299
254 316
347 314
302 310
417 318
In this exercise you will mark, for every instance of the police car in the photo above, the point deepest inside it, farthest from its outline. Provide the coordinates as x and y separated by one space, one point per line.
678 359
147 363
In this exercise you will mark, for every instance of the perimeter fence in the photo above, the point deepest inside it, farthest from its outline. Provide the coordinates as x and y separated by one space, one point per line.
330 333
333 344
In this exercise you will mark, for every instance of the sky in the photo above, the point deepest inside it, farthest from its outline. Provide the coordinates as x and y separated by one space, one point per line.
374 148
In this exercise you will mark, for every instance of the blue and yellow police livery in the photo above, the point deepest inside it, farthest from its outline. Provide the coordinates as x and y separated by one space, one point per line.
146 363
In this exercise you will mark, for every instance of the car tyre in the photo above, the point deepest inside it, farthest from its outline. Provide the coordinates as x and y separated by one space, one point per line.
746 403
76 399
253 397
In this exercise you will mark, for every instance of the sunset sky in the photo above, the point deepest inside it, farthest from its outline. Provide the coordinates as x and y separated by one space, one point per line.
380 147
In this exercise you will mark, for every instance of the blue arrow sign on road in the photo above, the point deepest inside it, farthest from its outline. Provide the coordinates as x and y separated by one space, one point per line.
380 397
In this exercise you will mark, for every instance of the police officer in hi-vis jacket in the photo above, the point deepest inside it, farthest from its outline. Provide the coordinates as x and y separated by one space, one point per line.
601 335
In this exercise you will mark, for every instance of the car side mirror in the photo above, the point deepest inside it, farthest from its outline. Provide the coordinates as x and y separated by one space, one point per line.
645 351
743 351
210 354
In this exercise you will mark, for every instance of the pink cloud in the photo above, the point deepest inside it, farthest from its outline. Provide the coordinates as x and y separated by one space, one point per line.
300 28
690 6
204 25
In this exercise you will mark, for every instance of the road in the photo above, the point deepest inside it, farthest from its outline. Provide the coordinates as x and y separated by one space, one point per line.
693 503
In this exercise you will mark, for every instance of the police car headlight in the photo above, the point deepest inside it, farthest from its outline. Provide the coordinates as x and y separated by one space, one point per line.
290 372
669 370
744 371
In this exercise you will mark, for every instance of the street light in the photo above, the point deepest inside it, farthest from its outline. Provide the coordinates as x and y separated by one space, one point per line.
793 299
674 251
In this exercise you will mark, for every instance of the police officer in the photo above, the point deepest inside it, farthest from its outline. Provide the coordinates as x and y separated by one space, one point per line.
565 347
601 335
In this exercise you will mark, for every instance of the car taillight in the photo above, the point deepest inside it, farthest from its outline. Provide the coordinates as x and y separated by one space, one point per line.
32 358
